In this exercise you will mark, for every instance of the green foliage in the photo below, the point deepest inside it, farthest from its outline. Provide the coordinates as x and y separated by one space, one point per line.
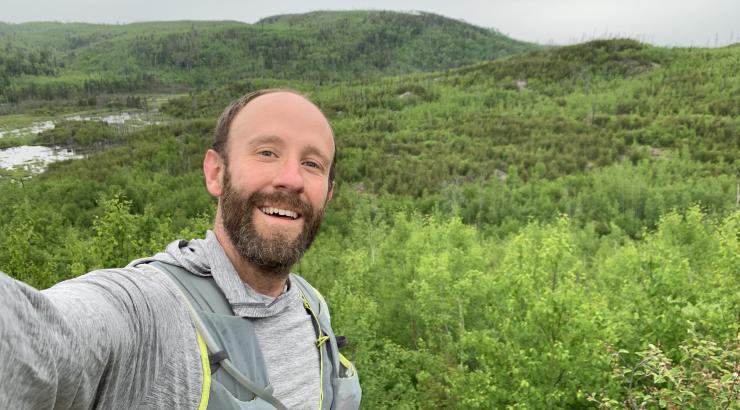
458 320
16 61
80 133
705 376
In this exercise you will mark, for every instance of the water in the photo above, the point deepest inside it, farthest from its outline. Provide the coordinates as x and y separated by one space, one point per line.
37 158
35 128
119 118
34 158
138 118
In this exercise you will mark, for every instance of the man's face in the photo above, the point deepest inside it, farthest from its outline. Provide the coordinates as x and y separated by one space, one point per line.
274 180
276 251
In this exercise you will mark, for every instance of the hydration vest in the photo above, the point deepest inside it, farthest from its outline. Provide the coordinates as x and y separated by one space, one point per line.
234 370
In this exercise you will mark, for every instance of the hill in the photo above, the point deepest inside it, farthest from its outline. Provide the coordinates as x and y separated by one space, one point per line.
59 60
544 114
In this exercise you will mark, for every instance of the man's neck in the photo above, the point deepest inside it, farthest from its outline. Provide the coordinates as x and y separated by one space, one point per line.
266 283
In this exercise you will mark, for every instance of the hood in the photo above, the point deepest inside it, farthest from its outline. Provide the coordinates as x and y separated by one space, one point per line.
192 255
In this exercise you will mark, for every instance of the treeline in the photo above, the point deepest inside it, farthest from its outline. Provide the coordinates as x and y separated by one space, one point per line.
17 61
78 89
317 47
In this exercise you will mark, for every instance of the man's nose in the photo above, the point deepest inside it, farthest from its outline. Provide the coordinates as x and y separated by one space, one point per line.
289 176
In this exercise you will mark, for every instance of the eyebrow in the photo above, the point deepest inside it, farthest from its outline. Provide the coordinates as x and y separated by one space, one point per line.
267 139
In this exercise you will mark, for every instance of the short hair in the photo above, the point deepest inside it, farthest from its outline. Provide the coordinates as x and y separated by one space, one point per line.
221 132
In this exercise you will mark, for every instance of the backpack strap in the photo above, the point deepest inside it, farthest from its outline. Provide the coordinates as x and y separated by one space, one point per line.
204 293
319 307
201 292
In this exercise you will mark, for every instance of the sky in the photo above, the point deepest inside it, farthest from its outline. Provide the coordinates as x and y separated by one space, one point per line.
698 23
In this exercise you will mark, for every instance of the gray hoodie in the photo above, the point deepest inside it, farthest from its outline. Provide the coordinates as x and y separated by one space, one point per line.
122 338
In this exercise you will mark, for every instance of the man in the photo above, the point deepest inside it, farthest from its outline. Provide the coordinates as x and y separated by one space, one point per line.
218 322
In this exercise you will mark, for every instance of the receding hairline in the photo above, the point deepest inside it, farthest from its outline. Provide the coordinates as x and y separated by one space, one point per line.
226 119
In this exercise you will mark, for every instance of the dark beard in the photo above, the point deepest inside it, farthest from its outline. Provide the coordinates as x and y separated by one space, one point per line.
275 254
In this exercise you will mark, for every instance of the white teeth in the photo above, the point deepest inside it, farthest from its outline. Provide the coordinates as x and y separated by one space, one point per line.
283 212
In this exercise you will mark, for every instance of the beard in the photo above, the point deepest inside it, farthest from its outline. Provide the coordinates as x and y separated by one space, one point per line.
275 253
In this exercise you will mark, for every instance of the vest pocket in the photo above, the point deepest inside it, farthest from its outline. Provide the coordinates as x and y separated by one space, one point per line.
222 399
347 391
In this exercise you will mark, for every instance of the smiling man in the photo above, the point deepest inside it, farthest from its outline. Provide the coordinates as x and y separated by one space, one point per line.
216 323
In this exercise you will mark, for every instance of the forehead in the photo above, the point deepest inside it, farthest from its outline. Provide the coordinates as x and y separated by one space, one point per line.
285 115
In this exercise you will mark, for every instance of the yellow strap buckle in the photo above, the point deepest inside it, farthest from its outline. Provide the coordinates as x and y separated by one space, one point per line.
320 341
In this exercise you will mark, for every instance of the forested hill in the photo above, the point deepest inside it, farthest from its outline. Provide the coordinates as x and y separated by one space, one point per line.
65 60
544 114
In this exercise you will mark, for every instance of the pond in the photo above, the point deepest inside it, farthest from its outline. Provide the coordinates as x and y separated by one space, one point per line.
36 158
35 128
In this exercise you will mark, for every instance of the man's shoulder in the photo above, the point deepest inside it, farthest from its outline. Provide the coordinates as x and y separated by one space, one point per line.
134 283
128 274
310 292
303 284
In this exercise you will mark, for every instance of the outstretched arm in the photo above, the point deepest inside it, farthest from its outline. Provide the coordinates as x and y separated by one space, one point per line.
112 339
45 364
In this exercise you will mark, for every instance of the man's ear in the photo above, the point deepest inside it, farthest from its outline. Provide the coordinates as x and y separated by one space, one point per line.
213 172
330 194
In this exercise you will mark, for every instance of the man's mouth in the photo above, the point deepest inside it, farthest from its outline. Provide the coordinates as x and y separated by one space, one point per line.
279 212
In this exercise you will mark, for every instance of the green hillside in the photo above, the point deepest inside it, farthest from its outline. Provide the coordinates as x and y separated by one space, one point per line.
543 116
85 59
553 229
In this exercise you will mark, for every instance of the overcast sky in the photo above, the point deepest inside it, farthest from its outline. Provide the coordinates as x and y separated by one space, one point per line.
701 23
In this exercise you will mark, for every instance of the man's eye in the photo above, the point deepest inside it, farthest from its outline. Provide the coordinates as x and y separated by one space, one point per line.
266 153
312 164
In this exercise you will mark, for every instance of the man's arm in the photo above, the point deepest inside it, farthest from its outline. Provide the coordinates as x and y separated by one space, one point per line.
45 364
109 339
